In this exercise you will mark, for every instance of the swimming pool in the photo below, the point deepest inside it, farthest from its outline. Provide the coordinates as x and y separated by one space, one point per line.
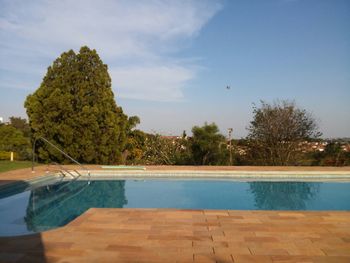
55 204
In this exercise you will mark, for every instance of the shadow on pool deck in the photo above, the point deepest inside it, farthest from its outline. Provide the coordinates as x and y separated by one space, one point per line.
28 248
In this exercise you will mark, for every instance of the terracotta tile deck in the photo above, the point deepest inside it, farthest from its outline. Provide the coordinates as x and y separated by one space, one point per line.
160 235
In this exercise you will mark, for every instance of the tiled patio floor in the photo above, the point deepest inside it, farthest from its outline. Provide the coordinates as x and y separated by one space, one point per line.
158 235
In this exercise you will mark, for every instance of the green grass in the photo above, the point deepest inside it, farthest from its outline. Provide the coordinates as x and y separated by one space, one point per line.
8 165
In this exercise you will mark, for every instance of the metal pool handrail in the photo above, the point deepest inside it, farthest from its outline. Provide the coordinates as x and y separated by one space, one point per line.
61 151
66 170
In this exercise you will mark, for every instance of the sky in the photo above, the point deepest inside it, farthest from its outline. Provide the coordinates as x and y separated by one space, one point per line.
171 61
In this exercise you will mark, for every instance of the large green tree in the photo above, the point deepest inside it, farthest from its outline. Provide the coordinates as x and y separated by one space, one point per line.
276 131
208 145
74 108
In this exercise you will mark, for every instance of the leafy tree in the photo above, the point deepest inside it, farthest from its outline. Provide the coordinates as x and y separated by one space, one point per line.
159 150
133 121
20 124
162 150
208 145
74 108
154 149
239 149
135 147
276 132
13 140
185 156
135 144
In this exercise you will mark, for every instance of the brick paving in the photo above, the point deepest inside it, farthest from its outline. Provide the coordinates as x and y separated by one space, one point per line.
167 235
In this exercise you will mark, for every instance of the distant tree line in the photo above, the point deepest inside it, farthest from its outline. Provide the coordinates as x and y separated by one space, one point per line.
277 135
74 108
205 147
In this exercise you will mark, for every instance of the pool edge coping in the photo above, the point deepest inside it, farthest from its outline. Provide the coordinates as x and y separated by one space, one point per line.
337 176
334 176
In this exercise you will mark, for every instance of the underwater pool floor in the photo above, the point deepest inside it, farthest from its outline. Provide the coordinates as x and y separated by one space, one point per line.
170 235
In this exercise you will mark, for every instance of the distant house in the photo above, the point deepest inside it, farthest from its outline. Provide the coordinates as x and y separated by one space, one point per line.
346 147
312 146
171 137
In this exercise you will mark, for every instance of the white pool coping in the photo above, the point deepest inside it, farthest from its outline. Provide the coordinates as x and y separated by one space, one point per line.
213 175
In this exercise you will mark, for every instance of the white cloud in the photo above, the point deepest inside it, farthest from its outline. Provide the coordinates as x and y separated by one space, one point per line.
151 83
129 35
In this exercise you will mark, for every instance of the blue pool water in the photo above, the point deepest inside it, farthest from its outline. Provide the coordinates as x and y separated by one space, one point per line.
57 204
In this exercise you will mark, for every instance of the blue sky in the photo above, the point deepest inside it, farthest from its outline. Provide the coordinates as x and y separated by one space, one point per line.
170 61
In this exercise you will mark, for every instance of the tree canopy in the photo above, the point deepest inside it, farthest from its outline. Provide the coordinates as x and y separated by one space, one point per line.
13 140
20 124
74 107
208 145
277 130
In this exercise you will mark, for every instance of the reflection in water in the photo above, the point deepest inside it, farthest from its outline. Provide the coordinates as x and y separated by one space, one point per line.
283 195
56 205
